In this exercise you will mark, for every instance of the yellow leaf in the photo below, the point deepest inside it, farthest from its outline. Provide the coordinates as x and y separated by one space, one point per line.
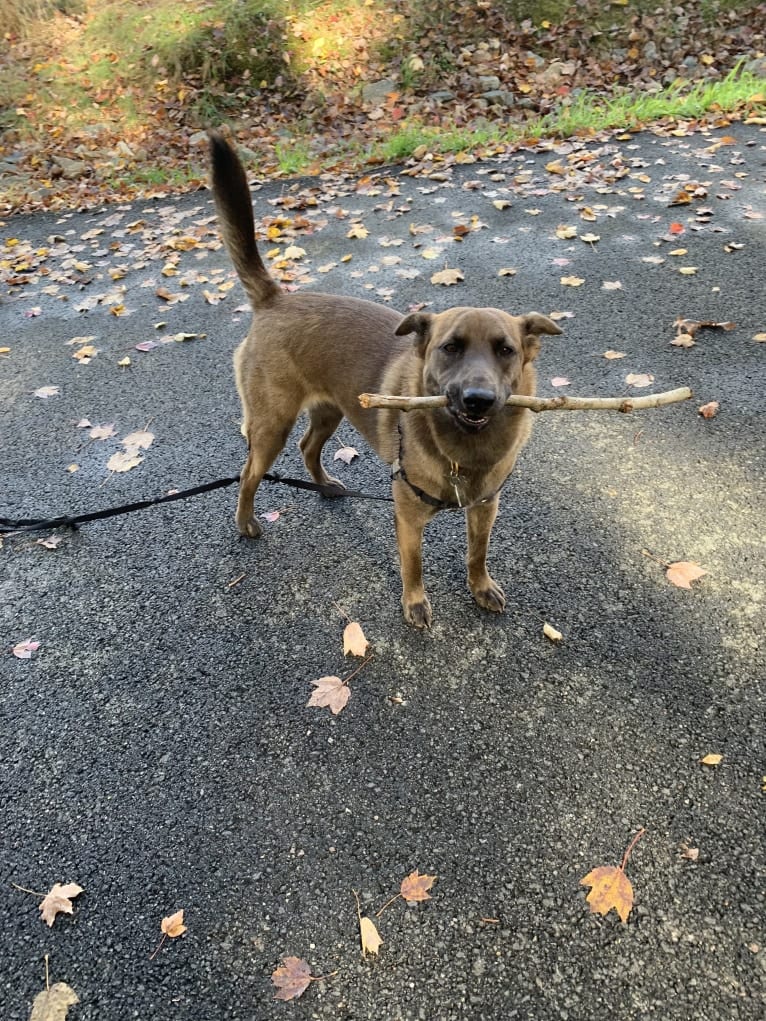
614 354
52 1004
572 281
712 759
610 888
447 277
508 271
501 203
358 230
371 941
688 271
550 632
565 232
555 167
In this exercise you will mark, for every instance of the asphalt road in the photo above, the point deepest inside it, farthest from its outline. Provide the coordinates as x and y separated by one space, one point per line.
157 748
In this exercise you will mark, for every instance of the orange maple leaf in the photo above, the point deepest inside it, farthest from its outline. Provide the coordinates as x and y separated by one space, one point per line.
331 693
415 887
610 888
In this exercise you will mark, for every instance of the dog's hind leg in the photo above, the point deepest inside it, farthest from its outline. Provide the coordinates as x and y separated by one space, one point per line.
265 444
324 419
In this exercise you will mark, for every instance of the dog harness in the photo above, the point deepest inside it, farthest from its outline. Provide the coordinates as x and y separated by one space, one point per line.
398 472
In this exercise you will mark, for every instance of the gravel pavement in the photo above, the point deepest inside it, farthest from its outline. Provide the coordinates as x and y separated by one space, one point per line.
157 748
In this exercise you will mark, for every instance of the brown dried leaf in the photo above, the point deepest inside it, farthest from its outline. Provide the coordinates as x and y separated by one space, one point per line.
292 978
415 887
610 888
684 572
173 925
58 899
123 461
614 354
140 439
331 693
709 410
354 641
24 650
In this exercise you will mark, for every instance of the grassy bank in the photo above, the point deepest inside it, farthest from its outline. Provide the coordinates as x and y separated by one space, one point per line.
116 94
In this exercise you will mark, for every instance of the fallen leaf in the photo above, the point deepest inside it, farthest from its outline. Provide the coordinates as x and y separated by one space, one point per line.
292 978
611 285
572 281
270 516
47 391
614 354
713 759
690 853
141 439
564 232
684 572
331 693
415 887
52 1004
123 461
550 632
561 381
610 888
639 379
760 338
688 271
683 340
501 203
102 432
447 277
507 271
345 454
709 410
590 239
52 542
24 650
173 925
371 941
354 641
294 252
358 230
59 898
676 228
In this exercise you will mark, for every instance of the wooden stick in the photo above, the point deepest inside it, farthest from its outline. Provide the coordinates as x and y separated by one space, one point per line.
623 404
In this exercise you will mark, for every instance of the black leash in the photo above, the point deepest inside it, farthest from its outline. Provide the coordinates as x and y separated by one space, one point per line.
72 521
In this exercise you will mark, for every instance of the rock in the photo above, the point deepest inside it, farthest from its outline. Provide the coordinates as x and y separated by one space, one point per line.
376 92
444 96
499 97
489 83
650 52
71 169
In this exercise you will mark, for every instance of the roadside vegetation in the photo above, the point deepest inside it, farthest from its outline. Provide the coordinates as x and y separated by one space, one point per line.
115 95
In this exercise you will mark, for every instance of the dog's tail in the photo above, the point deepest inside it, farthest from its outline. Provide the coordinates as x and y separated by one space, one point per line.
235 214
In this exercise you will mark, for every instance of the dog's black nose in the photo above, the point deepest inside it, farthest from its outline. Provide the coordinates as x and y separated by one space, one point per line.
476 400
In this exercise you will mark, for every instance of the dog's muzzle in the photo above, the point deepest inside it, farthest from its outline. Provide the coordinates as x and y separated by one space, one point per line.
473 408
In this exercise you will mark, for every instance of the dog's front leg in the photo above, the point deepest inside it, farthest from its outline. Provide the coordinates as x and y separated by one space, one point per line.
411 518
479 521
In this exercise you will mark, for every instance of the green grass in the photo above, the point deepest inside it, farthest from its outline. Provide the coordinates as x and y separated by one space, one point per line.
587 113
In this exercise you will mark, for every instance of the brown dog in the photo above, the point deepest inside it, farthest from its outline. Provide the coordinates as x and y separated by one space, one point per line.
317 352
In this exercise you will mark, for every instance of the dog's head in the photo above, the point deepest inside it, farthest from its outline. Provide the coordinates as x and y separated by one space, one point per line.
477 358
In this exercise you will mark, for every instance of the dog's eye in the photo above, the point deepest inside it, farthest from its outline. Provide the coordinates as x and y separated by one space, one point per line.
452 347
505 351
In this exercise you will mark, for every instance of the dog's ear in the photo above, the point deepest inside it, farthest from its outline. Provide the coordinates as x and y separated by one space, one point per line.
418 323
533 324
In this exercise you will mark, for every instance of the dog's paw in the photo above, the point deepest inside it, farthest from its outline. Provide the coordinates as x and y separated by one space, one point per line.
489 595
249 528
418 613
336 484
